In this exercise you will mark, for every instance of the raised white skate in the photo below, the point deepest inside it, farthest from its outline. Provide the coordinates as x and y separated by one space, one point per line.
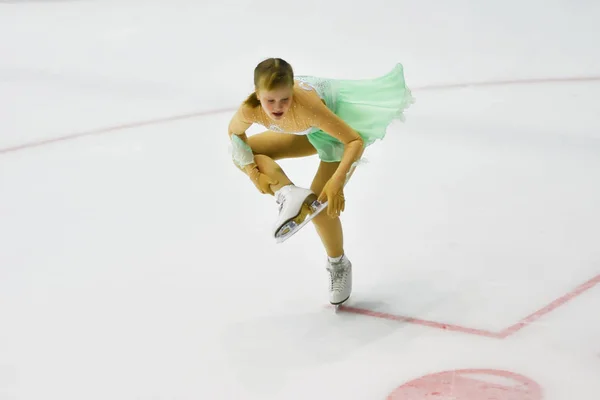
340 280
297 206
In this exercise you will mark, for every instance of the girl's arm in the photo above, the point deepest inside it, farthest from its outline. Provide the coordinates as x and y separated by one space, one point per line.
330 123
241 152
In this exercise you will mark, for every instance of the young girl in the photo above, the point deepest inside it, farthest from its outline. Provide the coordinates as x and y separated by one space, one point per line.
304 115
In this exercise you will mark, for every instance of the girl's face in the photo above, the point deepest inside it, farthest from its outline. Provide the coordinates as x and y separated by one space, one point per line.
276 102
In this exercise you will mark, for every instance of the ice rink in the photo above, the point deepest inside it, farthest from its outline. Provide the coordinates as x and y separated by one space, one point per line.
136 261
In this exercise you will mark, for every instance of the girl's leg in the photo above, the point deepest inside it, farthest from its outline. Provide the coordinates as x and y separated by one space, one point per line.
281 145
270 146
329 229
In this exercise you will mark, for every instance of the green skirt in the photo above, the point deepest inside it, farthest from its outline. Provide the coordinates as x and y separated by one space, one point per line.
367 105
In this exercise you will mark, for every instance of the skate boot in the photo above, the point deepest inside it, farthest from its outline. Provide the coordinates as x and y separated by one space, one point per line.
340 280
297 206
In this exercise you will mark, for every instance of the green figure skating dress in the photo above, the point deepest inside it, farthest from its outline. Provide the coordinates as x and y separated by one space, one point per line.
367 105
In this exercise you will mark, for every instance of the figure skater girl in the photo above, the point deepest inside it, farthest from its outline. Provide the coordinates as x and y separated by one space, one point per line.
306 115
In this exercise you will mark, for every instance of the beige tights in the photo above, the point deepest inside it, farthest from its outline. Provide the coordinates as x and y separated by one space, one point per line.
329 229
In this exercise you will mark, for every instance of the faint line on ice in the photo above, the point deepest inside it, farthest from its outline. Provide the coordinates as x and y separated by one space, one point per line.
161 120
109 129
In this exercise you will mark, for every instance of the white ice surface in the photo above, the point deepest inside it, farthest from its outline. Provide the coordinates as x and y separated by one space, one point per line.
137 264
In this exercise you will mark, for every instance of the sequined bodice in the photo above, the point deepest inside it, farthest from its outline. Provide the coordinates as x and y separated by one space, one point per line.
276 128
322 87
313 109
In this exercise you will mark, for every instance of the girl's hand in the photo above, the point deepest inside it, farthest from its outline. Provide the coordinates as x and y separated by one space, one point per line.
333 193
261 181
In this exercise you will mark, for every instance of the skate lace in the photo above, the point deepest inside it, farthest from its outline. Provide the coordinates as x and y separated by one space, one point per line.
280 199
337 277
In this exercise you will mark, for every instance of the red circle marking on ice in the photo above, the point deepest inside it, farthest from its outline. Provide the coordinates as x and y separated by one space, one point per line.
469 384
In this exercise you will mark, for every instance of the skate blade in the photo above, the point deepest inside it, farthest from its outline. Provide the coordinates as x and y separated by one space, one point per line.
307 213
339 307
341 302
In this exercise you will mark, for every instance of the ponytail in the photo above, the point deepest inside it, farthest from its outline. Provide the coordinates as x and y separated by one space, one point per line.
252 100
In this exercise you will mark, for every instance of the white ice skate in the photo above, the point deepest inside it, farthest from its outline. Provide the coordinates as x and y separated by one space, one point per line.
340 281
297 206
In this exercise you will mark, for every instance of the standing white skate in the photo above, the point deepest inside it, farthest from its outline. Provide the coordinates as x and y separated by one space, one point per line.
297 207
340 281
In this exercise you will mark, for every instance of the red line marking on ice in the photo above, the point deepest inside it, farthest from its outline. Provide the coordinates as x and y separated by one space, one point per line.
503 334
470 384
108 129
551 307
138 124
417 321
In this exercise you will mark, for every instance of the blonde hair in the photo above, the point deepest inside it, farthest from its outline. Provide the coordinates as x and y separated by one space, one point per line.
270 74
